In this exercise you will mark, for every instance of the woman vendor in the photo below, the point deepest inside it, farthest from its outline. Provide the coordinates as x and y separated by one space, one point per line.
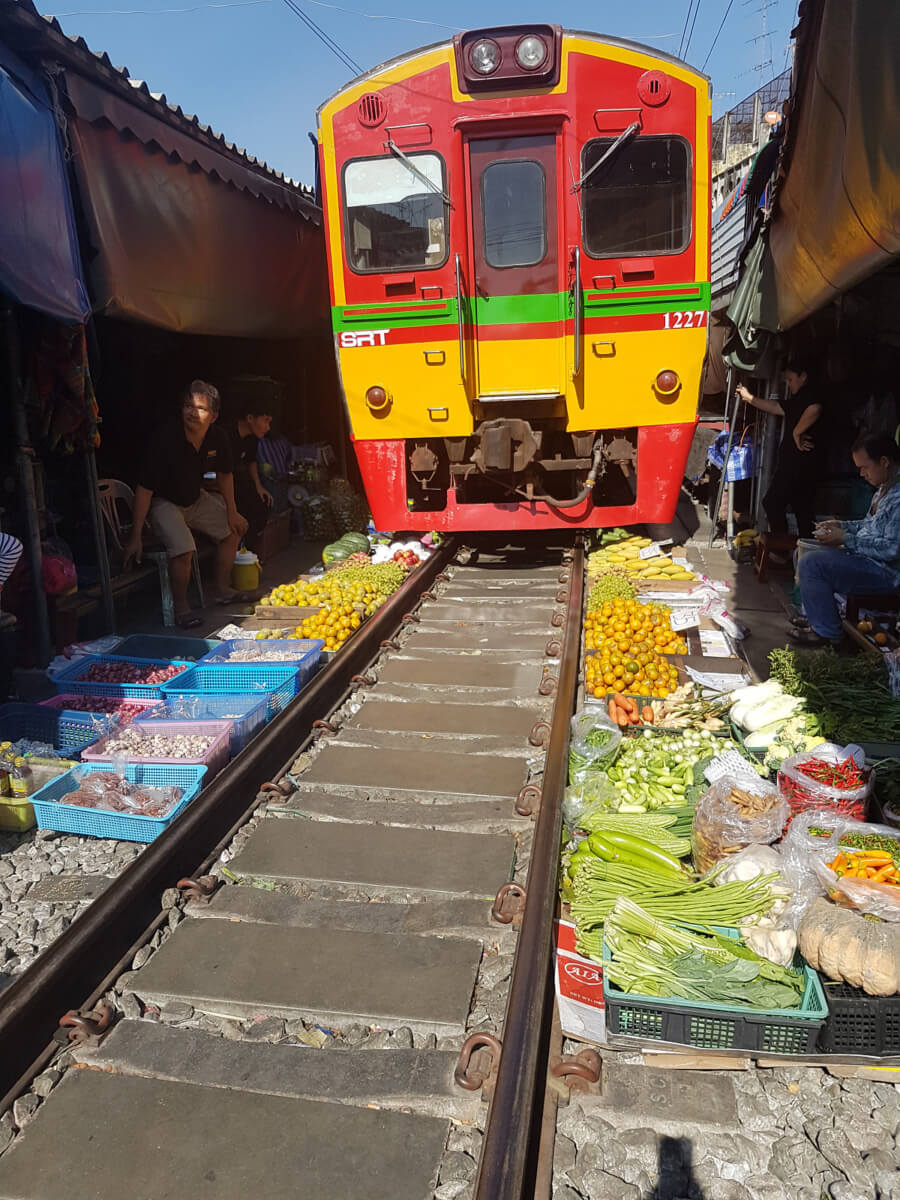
854 556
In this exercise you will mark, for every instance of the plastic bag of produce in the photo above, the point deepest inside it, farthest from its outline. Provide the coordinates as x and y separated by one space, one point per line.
735 813
855 863
596 794
828 776
593 740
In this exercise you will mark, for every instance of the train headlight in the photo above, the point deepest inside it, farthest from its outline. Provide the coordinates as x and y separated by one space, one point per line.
484 57
667 383
531 53
378 400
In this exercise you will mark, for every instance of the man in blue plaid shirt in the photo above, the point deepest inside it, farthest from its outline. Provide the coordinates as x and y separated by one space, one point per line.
855 556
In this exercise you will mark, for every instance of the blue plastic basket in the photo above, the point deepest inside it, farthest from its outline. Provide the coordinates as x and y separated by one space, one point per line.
278 684
155 646
247 714
69 678
66 731
53 813
306 653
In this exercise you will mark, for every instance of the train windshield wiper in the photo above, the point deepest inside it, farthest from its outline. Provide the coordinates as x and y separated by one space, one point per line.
395 149
625 136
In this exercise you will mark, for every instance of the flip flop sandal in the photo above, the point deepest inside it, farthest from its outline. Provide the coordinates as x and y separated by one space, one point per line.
188 620
809 637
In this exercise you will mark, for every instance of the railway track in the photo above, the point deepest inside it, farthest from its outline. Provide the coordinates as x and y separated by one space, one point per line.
299 989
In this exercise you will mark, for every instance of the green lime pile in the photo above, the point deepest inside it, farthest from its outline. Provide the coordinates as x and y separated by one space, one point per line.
612 584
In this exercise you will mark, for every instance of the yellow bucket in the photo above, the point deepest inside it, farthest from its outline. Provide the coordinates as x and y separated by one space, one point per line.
16 815
245 572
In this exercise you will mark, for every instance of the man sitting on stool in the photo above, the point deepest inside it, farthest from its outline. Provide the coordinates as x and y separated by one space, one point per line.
853 556
170 489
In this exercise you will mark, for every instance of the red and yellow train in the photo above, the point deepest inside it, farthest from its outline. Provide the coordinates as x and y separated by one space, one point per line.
518 242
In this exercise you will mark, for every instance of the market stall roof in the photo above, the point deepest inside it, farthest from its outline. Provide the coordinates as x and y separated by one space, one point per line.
836 203
184 230
39 262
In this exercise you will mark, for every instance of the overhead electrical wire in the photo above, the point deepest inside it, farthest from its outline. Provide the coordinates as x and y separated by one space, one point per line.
325 38
687 48
718 32
687 17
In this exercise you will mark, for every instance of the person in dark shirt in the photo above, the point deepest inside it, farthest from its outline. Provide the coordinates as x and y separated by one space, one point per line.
252 499
170 491
799 463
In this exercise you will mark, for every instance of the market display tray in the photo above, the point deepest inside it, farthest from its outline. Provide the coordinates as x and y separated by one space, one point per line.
70 680
859 1023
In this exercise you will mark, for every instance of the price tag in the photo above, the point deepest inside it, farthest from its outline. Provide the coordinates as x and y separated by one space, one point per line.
730 763
716 682
684 618
654 548
681 562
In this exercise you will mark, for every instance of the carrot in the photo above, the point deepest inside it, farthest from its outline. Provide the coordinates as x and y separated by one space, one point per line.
622 717
612 707
647 715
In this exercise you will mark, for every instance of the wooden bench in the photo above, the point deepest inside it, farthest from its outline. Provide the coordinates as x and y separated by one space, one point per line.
888 602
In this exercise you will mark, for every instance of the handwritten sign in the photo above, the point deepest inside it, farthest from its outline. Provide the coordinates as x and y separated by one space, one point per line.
684 618
654 549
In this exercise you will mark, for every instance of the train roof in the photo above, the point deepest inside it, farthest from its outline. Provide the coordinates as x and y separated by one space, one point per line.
578 33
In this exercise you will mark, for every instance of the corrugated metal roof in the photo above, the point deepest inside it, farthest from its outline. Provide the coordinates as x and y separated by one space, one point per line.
33 34
728 237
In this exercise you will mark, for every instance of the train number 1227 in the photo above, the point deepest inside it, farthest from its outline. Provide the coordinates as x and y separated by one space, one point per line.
685 320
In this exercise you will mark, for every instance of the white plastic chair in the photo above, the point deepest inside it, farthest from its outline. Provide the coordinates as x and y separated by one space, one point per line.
117 506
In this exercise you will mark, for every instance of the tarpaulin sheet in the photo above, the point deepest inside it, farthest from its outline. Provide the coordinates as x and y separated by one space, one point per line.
838 214
39 263
185 238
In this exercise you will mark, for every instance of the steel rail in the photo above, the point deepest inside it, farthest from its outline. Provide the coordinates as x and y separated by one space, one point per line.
513 1133
85 954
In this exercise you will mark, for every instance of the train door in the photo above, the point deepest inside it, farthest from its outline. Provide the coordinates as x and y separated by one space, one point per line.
516 295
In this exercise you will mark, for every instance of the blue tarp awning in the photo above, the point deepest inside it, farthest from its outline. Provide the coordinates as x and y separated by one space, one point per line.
39 261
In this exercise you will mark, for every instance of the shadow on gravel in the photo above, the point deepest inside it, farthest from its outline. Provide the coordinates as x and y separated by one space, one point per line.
675 1171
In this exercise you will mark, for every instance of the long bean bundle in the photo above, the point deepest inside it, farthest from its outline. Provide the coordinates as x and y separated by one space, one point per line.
599 886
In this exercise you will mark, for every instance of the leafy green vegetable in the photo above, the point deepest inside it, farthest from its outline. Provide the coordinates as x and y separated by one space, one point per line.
850 698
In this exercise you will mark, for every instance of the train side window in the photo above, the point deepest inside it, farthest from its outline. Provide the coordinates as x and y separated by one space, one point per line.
514 208
639 201
395 212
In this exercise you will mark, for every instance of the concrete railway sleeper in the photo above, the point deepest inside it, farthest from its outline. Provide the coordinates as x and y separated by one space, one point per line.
274 996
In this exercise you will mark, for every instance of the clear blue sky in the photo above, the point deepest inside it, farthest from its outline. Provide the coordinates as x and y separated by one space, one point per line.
253 71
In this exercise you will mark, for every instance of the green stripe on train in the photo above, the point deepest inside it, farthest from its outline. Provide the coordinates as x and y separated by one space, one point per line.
521 310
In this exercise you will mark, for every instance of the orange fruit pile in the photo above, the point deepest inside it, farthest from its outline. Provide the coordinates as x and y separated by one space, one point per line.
334 624
630 640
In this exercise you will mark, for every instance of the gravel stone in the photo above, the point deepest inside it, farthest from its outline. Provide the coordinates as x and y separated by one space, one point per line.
564 1192
403 1038
563 1153
232 1031
24 1108
598 1185
269 1029
379 1040
457 1166
176 1010
456 1189
140 958
45 1082
130 1005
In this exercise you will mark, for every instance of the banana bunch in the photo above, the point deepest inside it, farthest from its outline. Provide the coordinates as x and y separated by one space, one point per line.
625 554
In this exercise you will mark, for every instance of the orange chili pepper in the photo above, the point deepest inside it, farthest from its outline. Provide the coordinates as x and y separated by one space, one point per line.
882 875
840 861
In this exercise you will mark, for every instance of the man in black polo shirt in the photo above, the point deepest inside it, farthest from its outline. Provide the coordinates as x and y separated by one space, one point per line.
170 491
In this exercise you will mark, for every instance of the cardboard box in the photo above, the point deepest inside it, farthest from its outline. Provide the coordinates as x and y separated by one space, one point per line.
579 989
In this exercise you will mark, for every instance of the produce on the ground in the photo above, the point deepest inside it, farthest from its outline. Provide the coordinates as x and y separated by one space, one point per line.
592 742
627 553
658 770
732 815
609 537
872 842
111 792
632 628
123 672
252 653
874 866
29 748
887 787
367 585
653 957
625 710
595 887
686 709
764 932
851 947
826 778
850 698
657 827
140 744
333 625
764 709
406 558
611 585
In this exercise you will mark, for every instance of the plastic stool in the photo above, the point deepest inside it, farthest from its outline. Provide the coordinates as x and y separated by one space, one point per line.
767 543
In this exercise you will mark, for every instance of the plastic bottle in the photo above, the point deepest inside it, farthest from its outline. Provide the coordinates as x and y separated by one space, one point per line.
20 779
